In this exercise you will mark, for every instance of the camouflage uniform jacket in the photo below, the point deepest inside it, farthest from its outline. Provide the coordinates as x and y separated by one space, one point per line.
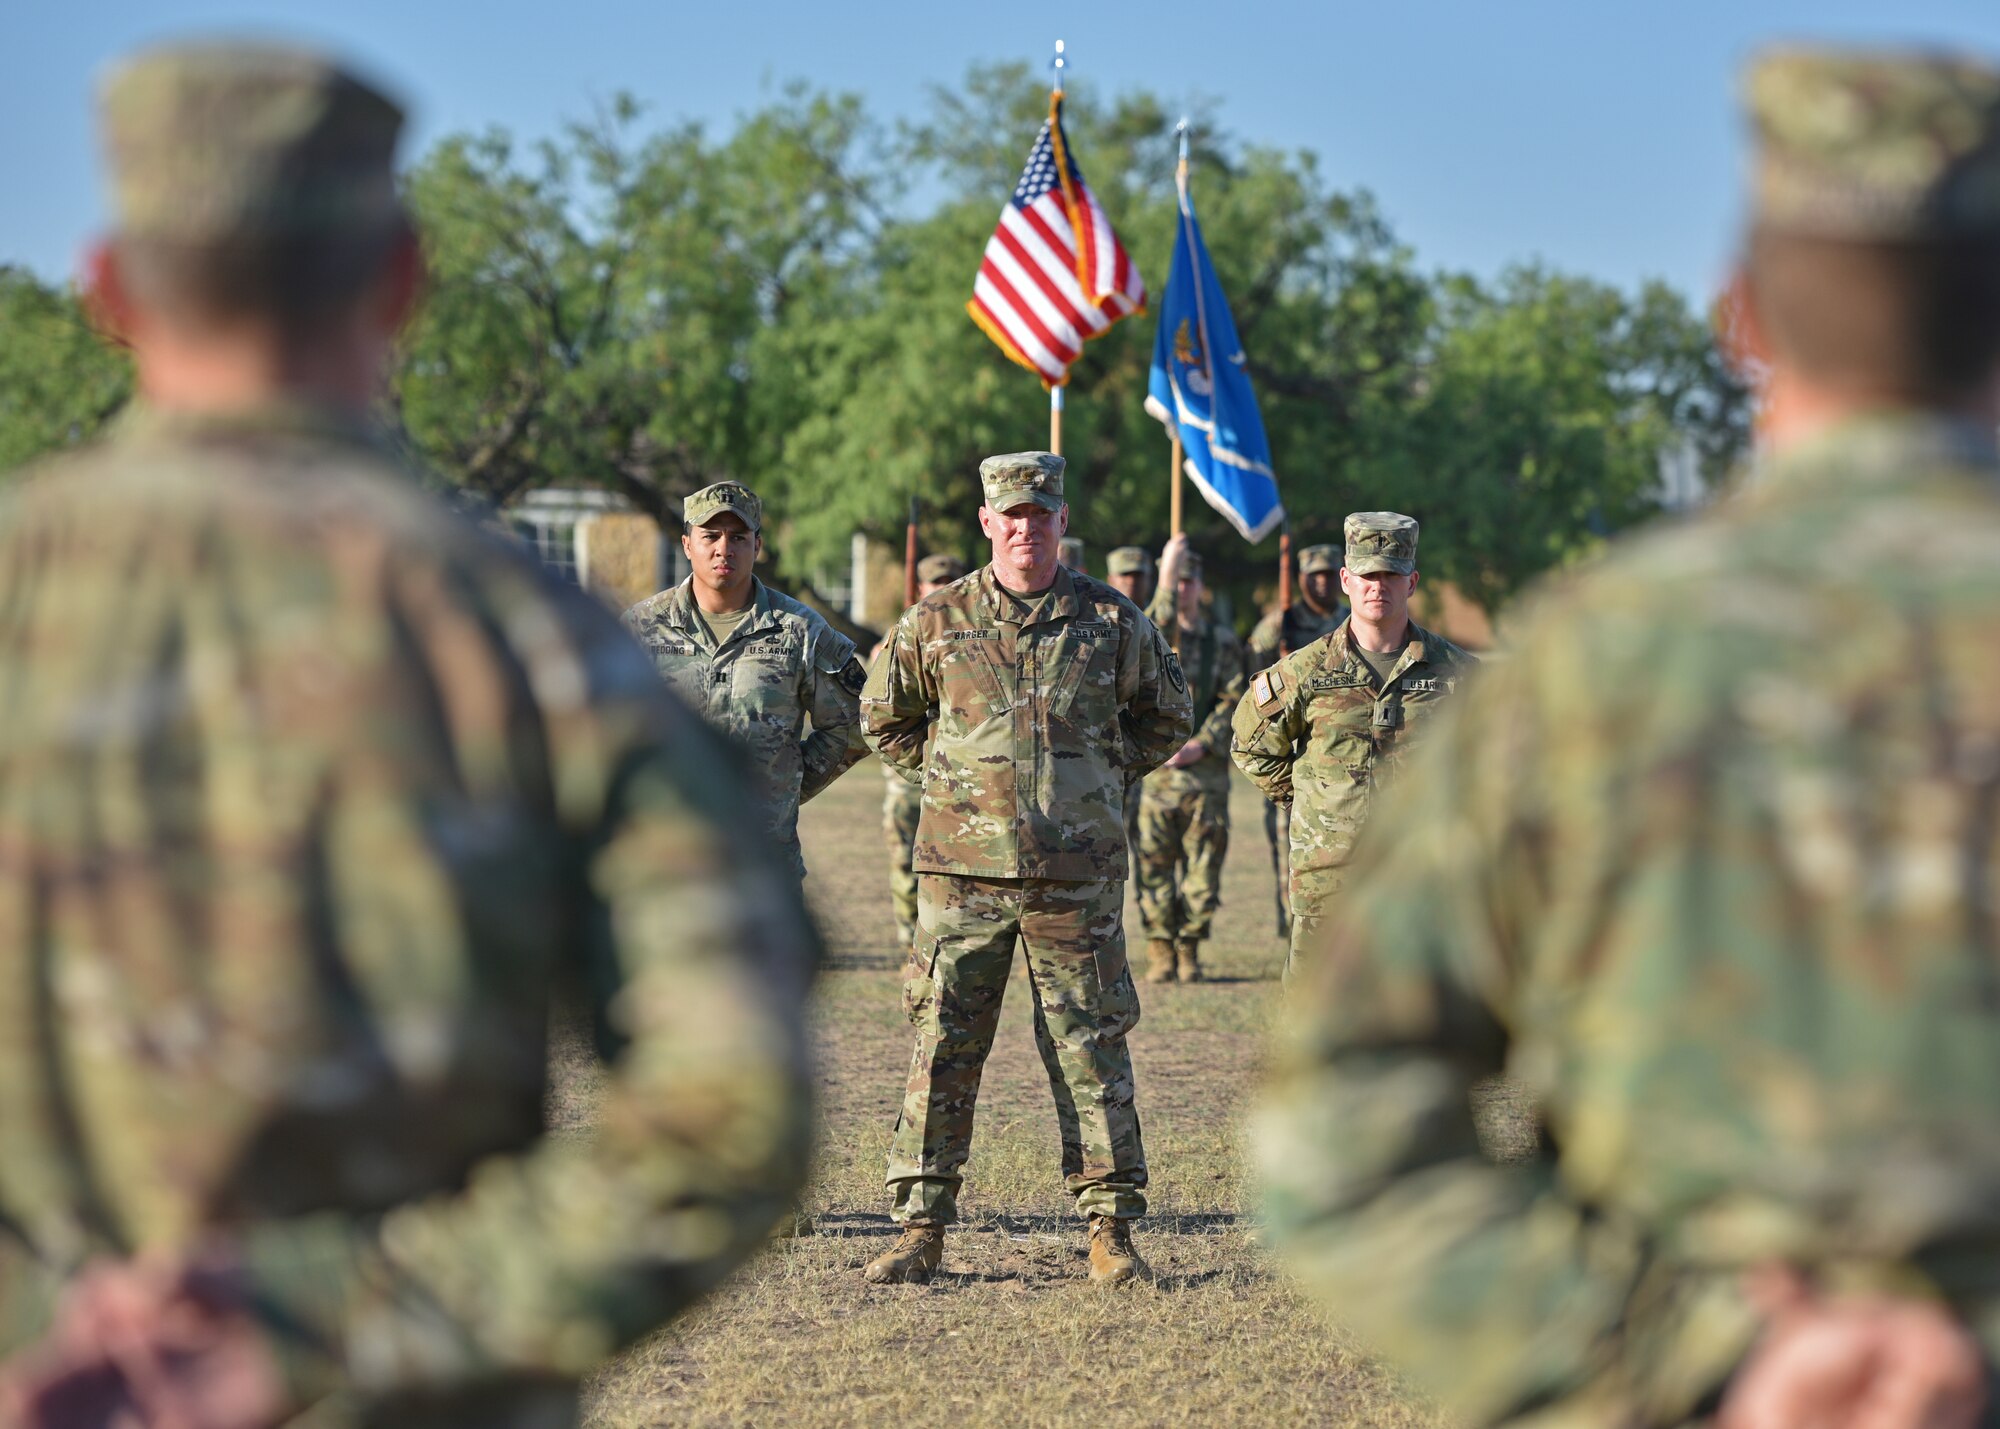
783 665
1315 732
1286 632
1033 730
313 800
1709 865
1217 678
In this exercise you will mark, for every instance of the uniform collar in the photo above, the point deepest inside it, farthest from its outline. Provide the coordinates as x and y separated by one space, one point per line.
141 423
1419 645
1883 447
685 615
998 601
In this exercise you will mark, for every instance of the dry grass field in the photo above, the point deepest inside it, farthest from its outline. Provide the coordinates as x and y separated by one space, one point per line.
1012 1333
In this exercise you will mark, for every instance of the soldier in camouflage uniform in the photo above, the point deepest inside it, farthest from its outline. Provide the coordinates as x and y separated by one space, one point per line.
316 800
1710 863
758 665
1184 805
1129 571
1024 696
1316 612
903 798
1072 552
1320 730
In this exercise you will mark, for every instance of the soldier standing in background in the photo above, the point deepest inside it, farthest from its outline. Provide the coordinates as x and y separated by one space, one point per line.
756 664
1024 696
316 800
1184 804
1316 612
903 799
1709 861
1343 711
1130 573
1072 552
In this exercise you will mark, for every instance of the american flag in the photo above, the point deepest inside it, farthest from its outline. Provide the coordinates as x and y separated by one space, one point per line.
1054 274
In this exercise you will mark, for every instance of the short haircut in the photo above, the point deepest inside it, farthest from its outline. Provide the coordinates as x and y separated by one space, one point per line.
1918 321
296 283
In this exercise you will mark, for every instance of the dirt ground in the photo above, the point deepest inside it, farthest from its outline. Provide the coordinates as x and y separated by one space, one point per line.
1012 1333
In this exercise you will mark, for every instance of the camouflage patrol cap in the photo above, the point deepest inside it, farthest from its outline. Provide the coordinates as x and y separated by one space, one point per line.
1190 565
1380 541
1129 561
711 501
1872 145
1018 477
940 570
1319 558
1071 548
205 143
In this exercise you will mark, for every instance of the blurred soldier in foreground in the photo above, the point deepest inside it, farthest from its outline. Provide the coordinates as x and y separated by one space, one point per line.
316 798
1710 863
903 802
1130 573
1325 727
1316 612
758 665
1184 805
1072 552
1024 697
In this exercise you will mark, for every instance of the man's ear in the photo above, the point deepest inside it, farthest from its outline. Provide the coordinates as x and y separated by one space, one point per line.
404 280
1413 583
1062 519
107 301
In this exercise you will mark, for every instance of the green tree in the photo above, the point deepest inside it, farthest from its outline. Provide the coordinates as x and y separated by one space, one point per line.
59 381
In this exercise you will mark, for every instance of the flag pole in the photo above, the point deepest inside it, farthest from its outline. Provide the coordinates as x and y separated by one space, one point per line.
1056 392
1174 509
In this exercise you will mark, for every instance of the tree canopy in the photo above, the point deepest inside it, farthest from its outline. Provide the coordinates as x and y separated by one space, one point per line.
648 307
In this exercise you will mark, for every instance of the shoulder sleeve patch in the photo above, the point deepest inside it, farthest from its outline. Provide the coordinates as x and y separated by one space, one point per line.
853 675
1269 690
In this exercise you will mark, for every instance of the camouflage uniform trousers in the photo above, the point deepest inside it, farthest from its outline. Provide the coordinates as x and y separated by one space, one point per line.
902 807
1183 836
1085 1003
1313 892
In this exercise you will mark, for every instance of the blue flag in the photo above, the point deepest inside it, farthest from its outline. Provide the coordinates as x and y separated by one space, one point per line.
1200 381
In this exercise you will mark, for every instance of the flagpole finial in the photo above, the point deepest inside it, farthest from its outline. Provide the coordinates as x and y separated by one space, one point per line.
1181 129
1061 63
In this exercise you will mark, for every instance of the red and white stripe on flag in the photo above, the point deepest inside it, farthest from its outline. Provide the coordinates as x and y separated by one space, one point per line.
1055 274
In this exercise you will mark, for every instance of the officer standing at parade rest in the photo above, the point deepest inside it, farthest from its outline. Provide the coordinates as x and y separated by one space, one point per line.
1709 864
1316 612
1025 697
903 797
1323 729
317 800
758 665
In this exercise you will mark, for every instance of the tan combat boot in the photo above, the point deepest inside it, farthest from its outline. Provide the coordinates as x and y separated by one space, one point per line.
912 1260
1113 1261
1159 960
1189 950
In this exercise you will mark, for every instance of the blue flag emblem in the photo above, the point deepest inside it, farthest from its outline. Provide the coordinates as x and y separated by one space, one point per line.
1200 382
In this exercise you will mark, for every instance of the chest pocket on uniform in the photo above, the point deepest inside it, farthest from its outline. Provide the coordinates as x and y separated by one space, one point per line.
1082 673
970 689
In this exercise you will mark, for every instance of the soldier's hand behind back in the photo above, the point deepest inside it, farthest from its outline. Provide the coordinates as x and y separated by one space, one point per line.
1867 1362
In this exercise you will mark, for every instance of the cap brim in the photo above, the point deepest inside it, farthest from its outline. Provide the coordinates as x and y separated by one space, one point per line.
1380 565
737 511
1015 500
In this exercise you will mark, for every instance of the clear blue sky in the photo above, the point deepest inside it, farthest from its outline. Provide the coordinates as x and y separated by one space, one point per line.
1598 136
